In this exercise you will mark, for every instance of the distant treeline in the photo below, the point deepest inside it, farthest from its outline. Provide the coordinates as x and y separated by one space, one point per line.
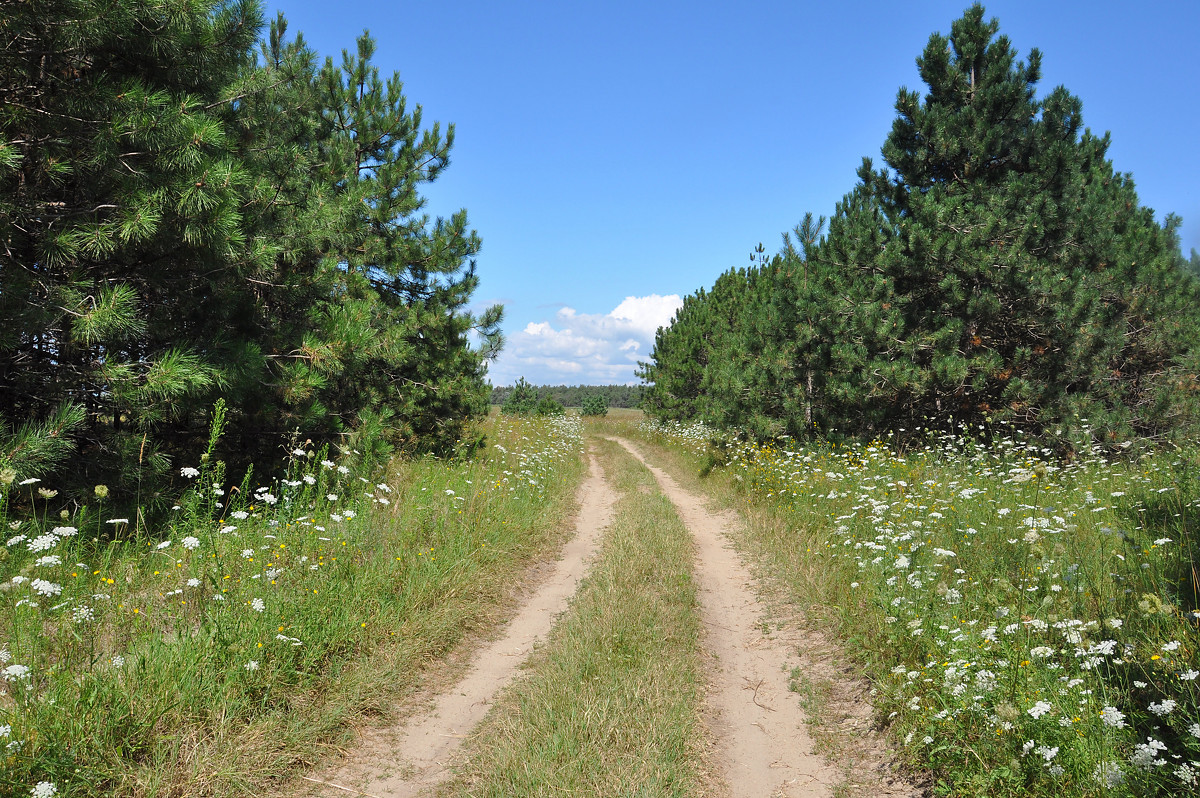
572 395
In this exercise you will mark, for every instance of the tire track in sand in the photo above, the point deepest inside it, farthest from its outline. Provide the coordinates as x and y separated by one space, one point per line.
414 757
764 748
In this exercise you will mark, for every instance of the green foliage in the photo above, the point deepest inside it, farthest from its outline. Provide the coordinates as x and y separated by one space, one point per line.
593 405
522 400
998 269
184 219
550 407
574 395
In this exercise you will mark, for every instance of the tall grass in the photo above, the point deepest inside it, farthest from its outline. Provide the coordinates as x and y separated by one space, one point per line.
1030 625
216 654
611 705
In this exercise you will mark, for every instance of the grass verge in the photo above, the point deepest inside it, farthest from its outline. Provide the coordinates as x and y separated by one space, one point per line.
1029 627
611 705
233 647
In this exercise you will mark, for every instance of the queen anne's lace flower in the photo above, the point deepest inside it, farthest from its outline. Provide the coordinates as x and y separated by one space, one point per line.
44 588
1039 709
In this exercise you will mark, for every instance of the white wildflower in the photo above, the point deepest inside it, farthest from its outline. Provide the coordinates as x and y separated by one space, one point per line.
189 472
44 588
1039 709
190 543
43 543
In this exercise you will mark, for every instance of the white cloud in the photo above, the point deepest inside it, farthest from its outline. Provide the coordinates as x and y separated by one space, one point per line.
585 348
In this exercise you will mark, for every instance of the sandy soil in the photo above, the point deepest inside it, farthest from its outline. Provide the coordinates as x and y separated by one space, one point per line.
413 758
763 748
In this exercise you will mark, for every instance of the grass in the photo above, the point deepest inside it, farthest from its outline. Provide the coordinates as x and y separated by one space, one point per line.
1029 626
610 706
229 649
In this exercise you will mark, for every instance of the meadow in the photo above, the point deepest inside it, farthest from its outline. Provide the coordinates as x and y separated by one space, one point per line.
232 647
1028 625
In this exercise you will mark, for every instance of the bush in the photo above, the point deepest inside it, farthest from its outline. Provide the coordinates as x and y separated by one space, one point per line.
550 407
593 405
522 401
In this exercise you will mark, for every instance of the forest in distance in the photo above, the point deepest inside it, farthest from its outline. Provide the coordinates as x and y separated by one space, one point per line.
626 396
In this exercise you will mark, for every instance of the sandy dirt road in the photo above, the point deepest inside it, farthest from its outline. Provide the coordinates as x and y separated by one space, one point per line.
413 758
763 746
763 749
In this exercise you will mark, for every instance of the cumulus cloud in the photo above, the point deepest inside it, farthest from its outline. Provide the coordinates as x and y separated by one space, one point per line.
585 348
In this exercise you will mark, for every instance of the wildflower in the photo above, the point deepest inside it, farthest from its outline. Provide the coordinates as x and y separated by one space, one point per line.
1162 541
64 531
327 464
901 562
449 492
257 605
15 540
384 488
30 481
239 515
1108 774
165 544
118 661
1162 709
1174 644
43 542
1145 755
349 513
298 452
268 498
44 588
252 665
1189 675
46 493
7 476
1046 752
14 672
193 582
343 470
309 479
1039 709
44 789
1194 730
81 614
331 497
117 521
48 561
190 543
101 491
1113 717
225 530
1041 651
1186 774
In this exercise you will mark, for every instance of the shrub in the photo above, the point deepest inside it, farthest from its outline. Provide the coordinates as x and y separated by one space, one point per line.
593 405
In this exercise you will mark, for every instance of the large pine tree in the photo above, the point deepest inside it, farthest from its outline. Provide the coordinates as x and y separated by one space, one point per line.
1015 274
996 268
184 218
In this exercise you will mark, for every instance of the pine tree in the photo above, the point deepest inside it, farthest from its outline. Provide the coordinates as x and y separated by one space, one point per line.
1009 272
119 205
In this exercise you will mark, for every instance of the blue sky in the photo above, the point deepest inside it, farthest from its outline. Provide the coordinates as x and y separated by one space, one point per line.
615 156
